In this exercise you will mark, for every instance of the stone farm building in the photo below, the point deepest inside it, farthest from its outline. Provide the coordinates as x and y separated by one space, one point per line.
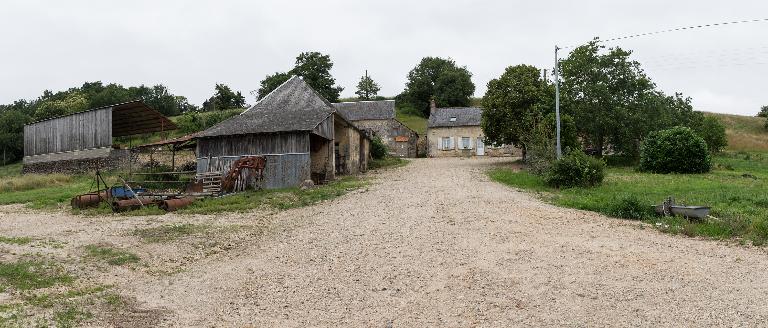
84 141
456 131
378 118
300 133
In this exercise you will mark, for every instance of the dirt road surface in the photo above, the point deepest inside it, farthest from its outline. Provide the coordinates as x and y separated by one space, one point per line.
431 244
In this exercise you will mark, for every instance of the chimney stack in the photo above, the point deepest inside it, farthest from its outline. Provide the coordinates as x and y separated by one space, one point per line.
432 106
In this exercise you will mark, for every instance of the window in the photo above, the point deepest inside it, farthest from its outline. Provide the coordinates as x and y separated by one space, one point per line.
453 119
466 143
446 143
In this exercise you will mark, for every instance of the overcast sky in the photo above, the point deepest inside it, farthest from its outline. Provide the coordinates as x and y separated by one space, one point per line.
191 45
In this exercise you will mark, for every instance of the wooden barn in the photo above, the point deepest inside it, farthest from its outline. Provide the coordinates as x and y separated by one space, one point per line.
83 141
300 134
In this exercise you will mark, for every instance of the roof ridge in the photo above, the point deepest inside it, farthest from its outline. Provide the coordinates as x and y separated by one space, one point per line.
270 93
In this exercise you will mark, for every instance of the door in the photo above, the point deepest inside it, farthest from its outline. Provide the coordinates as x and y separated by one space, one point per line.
480 147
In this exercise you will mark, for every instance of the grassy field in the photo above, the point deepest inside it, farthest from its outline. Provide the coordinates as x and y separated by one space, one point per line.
745 133
415 122
735 190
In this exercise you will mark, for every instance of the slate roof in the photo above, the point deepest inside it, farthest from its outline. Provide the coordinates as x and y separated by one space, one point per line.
367 110
464 116
293 106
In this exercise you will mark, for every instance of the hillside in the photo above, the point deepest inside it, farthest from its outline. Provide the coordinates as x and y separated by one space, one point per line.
745 133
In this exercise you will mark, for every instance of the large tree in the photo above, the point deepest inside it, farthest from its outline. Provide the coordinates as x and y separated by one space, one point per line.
224 98
11 135
602 91
763 111
367 89
315 68
439 79
514 104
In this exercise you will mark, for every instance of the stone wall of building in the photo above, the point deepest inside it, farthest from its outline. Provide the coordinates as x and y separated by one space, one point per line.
400 140
435 149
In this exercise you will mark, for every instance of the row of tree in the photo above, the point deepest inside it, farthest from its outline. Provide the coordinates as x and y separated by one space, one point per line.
606 99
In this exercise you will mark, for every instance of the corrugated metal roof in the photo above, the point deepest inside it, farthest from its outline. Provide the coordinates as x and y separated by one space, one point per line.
455 116
293 106
367 110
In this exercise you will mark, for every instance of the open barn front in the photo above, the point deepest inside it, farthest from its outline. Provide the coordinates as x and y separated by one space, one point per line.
321 157
84 141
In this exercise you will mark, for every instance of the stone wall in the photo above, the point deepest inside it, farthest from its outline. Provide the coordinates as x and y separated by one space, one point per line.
117 159
400 140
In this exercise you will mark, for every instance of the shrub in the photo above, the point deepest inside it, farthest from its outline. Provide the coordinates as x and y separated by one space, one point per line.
575 170
629 207
713 133
676 150
378 148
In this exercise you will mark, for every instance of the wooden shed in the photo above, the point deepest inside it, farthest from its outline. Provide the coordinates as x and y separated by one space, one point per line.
84 141
299 133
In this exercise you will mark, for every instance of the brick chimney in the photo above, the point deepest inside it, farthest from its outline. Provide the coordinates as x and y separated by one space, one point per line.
432 106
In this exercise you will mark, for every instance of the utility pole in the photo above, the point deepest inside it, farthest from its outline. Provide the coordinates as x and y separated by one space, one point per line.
557 101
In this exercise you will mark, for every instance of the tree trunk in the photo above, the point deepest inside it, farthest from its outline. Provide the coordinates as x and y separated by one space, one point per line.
600 143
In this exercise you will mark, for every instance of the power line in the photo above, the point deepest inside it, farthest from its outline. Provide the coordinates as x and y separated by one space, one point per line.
676 30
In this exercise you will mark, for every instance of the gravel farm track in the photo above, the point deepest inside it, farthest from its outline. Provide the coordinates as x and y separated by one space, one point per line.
432 244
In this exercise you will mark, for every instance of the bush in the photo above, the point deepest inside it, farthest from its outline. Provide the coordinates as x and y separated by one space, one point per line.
575 170
629 207
713 132
676 150
378 148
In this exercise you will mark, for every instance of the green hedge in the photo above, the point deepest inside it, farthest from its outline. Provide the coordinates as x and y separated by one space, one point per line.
675 150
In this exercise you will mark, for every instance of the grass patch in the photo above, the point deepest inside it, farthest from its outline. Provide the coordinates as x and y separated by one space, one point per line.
70 316
111 255
414 122
33 181
386 162
744 133
15 240
10 170
280 199
166 233
28 275
734 191
46 195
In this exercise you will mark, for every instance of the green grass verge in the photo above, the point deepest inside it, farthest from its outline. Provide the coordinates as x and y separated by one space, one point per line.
387 162
28 275
15 240
280 199
111 255
735 190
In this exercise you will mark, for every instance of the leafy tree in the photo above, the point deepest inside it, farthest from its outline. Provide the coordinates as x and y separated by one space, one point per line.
52 107
763 111
224 98
12 134
271 82
601 91
315 68
713 132
367 89
514 104
439 79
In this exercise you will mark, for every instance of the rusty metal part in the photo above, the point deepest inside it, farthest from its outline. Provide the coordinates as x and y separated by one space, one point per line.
86 200
170 205
254 164
131 204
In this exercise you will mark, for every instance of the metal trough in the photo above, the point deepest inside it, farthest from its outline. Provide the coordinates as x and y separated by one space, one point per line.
670 208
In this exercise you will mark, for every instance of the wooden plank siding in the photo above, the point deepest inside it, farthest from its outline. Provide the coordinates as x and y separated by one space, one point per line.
287 155
254 144
87 130
325 128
